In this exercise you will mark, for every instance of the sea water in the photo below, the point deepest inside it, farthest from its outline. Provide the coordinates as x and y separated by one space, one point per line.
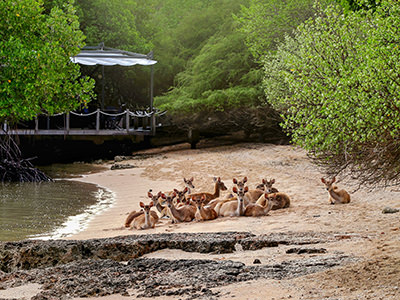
49 210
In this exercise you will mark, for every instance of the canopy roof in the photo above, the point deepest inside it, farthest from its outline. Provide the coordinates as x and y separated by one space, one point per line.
105 56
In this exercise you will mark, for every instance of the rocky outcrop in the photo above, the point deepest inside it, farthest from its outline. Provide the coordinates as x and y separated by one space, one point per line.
108 266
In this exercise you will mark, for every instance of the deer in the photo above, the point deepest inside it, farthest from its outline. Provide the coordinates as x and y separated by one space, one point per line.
268 186
256 210
143 218
156 202
146 220
189 184
181 199
252 195
219 186
181 214
279 200
335 195
233 208
203 213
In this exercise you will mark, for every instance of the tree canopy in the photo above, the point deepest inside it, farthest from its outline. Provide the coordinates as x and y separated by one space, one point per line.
36 74
336 83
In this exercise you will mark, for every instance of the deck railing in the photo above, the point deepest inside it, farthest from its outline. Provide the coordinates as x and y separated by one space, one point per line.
97 122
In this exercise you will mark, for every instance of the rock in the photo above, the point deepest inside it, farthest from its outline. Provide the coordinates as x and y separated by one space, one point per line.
390 210
122 166
306 250
256 261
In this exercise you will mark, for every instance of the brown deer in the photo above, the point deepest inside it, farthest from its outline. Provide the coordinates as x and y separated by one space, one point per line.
256 210
181 214
181 199
233 208
203 213
252 195
219 186
279 200
189 184
146 220
140 214
335 195
268 186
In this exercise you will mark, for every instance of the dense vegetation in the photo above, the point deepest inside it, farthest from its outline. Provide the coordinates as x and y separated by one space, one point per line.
328 70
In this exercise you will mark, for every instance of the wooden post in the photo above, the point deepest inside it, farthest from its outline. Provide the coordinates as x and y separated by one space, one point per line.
153 124
98 120
127 120
36 125
67 123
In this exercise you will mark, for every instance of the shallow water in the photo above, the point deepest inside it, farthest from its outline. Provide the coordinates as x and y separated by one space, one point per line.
49 209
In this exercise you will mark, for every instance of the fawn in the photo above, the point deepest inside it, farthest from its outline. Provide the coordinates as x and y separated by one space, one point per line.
181 214
233 208
156 202
219 186
279 200
189 184
335 195
181 199
252 195
203 213
256 210
146 220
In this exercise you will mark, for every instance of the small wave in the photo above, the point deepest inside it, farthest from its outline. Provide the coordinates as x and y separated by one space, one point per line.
75 224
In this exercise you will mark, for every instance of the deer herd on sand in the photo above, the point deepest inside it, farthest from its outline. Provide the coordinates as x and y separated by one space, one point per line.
185 206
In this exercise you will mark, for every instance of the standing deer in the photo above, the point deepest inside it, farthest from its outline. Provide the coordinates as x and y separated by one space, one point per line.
252 195
256 210
233 208
279 200
335 195
204 213
219 186
189 184
181 214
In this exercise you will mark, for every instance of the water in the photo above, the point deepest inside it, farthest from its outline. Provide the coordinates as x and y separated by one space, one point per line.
49 209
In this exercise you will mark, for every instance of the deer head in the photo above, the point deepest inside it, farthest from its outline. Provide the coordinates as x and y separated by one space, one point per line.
268 184
189 182
328 183
169 198
240 184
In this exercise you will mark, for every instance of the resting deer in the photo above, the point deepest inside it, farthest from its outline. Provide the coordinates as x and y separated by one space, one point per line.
268 186
335 195
233 208
203 213
189 184
219 186
252 195
148 219
256 210
181 199
142 219
279 200
181 214
156 202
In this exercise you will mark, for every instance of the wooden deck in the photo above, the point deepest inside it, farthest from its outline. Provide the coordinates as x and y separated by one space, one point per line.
97 123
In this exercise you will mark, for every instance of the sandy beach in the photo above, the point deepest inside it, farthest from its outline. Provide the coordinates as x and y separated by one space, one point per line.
376 277
364 231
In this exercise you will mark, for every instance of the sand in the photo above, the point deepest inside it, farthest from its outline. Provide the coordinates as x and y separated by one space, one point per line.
375 276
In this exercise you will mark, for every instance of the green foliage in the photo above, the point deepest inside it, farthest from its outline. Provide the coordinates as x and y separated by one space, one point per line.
36 74
266 22
341 74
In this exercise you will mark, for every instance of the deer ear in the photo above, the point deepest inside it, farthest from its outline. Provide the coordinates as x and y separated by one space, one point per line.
174 195
203 197
163 196
219 179
234 180
150 195
177 200
323 179
141 204
191 179
246 189
333 179
272 181
234 189
185 190
151 204
263 181
159 194
245 179
175 190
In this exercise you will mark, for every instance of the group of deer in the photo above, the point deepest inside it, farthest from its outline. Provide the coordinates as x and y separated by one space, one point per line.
184 206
